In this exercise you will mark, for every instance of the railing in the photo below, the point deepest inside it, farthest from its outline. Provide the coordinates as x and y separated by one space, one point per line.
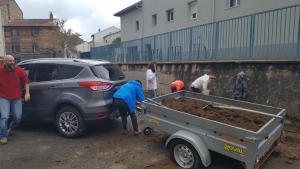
271 34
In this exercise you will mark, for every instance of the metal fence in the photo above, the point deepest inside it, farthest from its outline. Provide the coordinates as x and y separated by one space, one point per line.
273 34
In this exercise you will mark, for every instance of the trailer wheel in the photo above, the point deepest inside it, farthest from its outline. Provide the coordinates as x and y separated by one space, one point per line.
147 130
185 155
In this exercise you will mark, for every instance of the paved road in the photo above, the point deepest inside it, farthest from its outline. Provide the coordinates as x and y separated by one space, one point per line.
38 145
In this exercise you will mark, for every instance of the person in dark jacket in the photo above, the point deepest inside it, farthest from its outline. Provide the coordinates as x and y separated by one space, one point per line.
125 100
240 89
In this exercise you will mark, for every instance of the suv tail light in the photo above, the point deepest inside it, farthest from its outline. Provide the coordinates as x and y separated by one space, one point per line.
96 86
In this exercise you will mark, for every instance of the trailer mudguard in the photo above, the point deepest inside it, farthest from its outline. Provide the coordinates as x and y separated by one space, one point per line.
196 141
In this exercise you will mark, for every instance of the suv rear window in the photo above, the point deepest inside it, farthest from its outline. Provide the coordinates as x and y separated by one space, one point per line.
110 72
68 72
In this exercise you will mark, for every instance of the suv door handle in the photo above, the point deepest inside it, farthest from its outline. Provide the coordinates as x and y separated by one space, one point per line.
52 87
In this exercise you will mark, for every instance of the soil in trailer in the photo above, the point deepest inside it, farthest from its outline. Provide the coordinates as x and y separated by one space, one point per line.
247 121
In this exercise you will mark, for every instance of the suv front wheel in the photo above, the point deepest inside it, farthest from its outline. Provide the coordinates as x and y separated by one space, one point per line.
69 122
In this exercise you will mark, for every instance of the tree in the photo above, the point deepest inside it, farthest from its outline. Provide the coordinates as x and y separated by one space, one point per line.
58 39
117 40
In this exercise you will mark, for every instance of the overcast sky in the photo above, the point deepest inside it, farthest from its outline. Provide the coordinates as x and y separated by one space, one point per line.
84 16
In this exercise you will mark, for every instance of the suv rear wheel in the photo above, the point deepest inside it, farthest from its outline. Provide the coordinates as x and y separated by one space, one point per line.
69 122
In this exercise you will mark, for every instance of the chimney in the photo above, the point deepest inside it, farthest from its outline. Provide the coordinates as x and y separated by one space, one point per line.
51 16
8 12
99 29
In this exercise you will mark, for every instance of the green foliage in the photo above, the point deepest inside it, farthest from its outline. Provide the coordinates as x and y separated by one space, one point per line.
117 40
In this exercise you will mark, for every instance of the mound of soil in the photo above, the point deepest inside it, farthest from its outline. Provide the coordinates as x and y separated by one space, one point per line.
247 121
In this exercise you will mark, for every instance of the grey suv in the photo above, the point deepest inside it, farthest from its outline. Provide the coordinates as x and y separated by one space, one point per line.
71 92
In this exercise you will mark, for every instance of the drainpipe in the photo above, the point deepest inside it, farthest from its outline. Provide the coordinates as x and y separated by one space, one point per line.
212 27
142 8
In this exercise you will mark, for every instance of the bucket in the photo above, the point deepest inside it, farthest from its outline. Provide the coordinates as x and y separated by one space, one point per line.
205 92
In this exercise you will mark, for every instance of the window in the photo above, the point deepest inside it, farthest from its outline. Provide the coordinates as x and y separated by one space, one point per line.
35 32
15 48
35 49
154 20
43 72
193 10
106 41
68 72
26 68
233 3
137 23
110 72
15 32
170 15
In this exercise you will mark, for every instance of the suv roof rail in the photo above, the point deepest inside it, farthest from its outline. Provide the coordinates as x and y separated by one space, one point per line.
30 60
100 60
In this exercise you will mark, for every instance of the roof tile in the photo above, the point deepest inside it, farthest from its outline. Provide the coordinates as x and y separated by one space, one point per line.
30 22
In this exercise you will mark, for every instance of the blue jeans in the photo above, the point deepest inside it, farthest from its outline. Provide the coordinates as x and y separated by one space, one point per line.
6 106
152 93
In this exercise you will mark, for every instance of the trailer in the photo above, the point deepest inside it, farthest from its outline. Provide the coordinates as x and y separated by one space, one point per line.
192 137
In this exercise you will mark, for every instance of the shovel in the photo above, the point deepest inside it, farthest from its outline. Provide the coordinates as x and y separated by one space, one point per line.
241 109
152 101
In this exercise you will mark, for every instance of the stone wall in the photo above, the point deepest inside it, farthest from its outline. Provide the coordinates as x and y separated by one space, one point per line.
274 83
15 11
26 41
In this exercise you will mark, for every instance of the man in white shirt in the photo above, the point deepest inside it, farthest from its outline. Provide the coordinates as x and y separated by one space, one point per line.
202 82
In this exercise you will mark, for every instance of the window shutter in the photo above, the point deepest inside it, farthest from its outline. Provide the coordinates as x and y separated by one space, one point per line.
193 8
238 2
11 32
17 32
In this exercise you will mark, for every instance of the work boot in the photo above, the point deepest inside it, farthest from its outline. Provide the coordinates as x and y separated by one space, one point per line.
10 132
125 132
3 141
136 133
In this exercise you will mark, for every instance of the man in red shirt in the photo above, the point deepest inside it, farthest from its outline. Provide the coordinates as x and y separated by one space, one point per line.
176 86
12 80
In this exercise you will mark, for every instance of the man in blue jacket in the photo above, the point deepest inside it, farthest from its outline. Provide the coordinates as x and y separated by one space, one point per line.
240 89
125 100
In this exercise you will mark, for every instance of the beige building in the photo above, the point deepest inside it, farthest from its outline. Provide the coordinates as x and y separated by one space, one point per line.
83 47
10 10
108 39
159 16
2 41
98 38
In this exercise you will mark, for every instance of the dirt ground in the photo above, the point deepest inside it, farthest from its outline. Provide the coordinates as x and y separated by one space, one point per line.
38 145
147 94
251 122
290 146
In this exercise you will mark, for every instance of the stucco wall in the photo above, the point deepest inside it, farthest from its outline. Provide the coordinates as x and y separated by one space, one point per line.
98 37
182 14
83 47
270 83
112 37
2 41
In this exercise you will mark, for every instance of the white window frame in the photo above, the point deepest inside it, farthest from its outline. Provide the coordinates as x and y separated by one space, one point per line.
234 2
170 15
35 31
35 49
154 20
15 47
15 32
191 5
